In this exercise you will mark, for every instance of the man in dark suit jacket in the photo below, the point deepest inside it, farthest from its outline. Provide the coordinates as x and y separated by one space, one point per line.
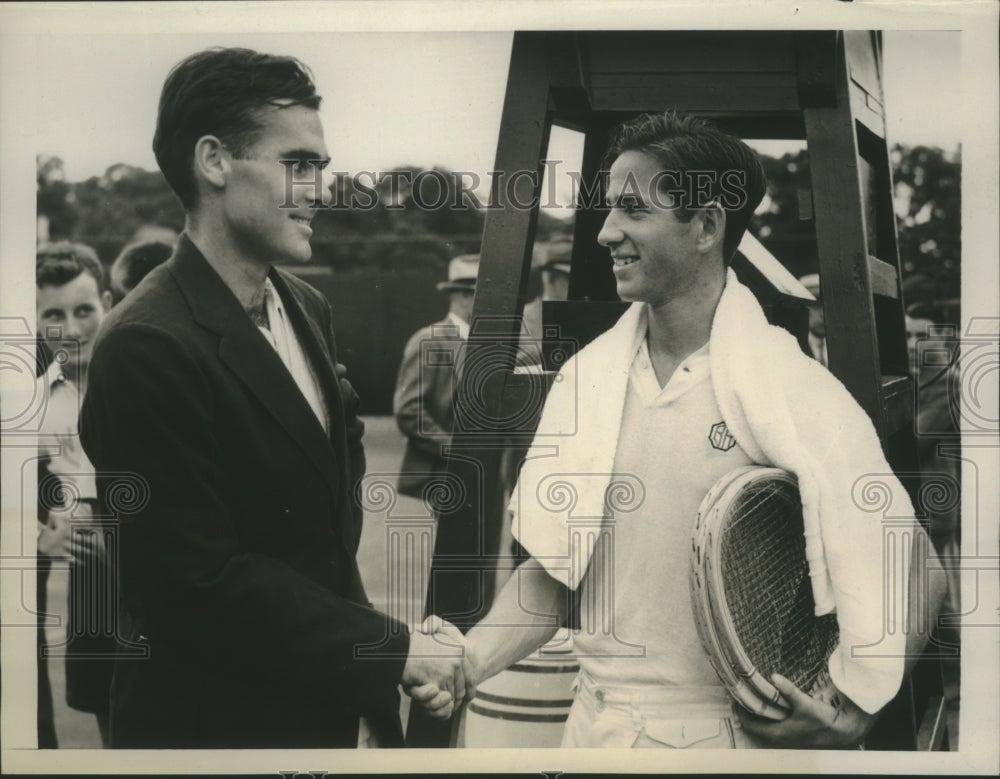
216 382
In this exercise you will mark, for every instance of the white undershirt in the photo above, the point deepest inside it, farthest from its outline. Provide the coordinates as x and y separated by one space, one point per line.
59 434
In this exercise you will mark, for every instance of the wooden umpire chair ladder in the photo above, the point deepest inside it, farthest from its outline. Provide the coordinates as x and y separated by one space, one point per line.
823 87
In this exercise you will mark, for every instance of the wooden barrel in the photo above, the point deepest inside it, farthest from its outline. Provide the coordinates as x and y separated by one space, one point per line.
527 705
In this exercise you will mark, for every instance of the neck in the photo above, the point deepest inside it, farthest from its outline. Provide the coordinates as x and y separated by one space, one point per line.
245 278
683 325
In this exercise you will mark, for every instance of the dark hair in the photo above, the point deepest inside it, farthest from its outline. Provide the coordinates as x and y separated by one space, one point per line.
135 261
61 262
688 144
222 92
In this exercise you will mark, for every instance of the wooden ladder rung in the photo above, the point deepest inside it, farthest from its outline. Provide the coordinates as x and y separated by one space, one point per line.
868 111
884 279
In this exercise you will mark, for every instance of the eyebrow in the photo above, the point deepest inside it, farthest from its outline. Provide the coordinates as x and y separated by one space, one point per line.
305 155
623 197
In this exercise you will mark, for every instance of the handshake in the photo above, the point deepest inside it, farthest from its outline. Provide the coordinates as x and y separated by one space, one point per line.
438 673
65 536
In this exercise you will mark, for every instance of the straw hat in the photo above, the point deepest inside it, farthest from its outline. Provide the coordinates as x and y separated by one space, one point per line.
462 273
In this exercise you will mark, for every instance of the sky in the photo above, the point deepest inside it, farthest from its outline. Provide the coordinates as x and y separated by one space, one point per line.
391 99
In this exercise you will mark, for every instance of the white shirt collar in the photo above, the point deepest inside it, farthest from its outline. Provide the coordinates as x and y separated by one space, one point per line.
54 375
272 300
691 371
281 335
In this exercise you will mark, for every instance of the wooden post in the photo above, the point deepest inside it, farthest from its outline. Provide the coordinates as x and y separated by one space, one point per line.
466 548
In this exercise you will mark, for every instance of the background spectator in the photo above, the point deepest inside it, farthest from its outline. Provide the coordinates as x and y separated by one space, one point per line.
71 303
134 262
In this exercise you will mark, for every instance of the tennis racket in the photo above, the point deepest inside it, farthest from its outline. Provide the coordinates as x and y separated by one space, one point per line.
751 594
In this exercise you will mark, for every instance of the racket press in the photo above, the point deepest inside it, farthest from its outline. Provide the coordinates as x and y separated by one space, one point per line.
821 87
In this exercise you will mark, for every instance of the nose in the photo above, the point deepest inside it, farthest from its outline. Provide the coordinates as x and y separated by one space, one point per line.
72 329
307 189
611 233
325 195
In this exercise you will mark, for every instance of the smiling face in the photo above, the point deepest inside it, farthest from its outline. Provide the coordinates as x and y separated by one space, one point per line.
655 254
69 315
263 223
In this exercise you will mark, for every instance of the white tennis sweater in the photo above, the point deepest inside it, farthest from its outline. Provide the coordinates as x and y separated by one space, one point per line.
636 626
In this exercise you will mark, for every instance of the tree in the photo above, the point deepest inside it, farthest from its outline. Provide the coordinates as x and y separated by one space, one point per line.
927 202
400 219
54 200
928 191
113 206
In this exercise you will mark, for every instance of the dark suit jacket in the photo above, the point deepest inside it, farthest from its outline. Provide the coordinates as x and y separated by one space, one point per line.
237 568
424 402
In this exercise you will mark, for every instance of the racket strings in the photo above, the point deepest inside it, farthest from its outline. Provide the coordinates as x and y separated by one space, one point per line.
767 585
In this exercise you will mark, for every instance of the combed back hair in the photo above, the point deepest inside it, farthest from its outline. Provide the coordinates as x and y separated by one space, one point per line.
225 93
60 262
685 145
135 261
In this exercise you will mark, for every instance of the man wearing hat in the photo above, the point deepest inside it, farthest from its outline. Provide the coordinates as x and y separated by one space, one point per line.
817 325
425 387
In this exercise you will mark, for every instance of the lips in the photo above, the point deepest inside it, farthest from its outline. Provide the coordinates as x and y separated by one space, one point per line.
624 260
302 220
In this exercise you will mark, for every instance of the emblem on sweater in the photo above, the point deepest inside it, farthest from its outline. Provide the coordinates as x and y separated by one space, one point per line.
720 437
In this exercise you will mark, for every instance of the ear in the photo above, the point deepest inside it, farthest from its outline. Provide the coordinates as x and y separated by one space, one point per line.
211 161
106 300
713 226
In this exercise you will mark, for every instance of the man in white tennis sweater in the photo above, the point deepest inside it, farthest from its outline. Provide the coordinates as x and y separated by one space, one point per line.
689 384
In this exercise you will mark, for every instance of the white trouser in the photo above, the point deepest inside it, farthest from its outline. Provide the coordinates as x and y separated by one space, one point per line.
652 716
